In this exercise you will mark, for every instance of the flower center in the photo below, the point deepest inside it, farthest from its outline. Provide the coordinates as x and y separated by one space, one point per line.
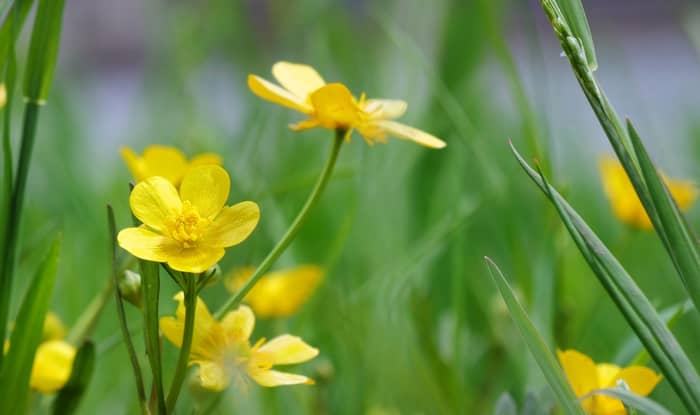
187 227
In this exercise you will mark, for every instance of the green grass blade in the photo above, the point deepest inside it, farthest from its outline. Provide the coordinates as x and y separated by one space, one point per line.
27 335
69 396
578 23
544 357
43 50
632 400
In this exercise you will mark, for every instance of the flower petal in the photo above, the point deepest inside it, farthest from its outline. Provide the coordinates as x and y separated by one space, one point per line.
195 260
206 158
212 376
238 324
273 93
154 201
143 243
232 225
334 106
282 293
301 80
270 378
164 161
288 350
580 371
607 374
384 109
641 380
53 363
204 324
207 188
410 133
683 191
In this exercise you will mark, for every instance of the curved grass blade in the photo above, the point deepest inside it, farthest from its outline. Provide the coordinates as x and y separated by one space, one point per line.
578 23
544 357
631 400
69 396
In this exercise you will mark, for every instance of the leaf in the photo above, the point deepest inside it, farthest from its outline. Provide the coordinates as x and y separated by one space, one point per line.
543 356
632 400
43 50
27 335
578 23
69 396
505 405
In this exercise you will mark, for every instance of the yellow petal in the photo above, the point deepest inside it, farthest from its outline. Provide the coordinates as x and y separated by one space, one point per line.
270 378
204 324
300 80
384 109
305 125
146 244
207 188
288 350
206 158
195 260
684 192
154 201
607 374
164 161
580 371
232 225
53 327
271 92
641 380
3 95
212 376
52 366
238 324
410 133
334 106
134 164
282 293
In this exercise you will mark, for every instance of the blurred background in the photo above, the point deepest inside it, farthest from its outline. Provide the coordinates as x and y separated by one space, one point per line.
407 319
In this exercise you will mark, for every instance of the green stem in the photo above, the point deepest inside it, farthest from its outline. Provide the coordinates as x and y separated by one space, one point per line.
293 229
190 290
83 328
14 213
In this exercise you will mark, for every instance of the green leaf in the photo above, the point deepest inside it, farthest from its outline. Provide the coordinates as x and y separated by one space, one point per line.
544 357
632 400
69 396
578 23
631 301
27 335
43 50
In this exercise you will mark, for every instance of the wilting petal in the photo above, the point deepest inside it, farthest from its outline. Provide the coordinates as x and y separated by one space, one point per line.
271 92
195 260
287 350
213 376
53 363
334 106
238 324
641 380
232 225
384 109
271 378
580 371
300 80
410 133
207 188
143 243
206 158
154 201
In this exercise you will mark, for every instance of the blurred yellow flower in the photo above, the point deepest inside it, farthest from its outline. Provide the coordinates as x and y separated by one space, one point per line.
3 95
52 366
624 200
164 161
188 230
279 293
333 106
586 376
53 327
223 352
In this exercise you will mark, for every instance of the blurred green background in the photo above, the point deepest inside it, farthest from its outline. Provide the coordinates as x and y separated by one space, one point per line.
407 320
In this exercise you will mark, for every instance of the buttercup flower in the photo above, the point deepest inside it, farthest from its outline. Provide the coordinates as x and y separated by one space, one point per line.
53 327
3 95
223 352
586 376
624 201
279 293
189 230
164 161
333 106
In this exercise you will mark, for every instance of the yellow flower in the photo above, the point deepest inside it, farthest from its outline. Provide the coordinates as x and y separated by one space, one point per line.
53 327
333 106
3 95
188 230
624 200
163 161
279 293
52 366
586 376
223 352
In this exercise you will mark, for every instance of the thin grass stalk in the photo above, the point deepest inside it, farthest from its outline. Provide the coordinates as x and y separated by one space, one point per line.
190 290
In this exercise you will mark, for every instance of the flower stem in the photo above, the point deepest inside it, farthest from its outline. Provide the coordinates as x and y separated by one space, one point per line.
190 290
87 321
292 230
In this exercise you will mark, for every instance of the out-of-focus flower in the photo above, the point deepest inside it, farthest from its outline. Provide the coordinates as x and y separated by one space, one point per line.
223 352
279 293
53 327
333 106
189 230
3 95
52 366
164 161
624 201
585 376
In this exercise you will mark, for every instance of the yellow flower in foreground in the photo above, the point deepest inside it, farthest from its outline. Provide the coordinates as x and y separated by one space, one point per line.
586 376
624 201
223 352
188 230
164 161
333 105
279 293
